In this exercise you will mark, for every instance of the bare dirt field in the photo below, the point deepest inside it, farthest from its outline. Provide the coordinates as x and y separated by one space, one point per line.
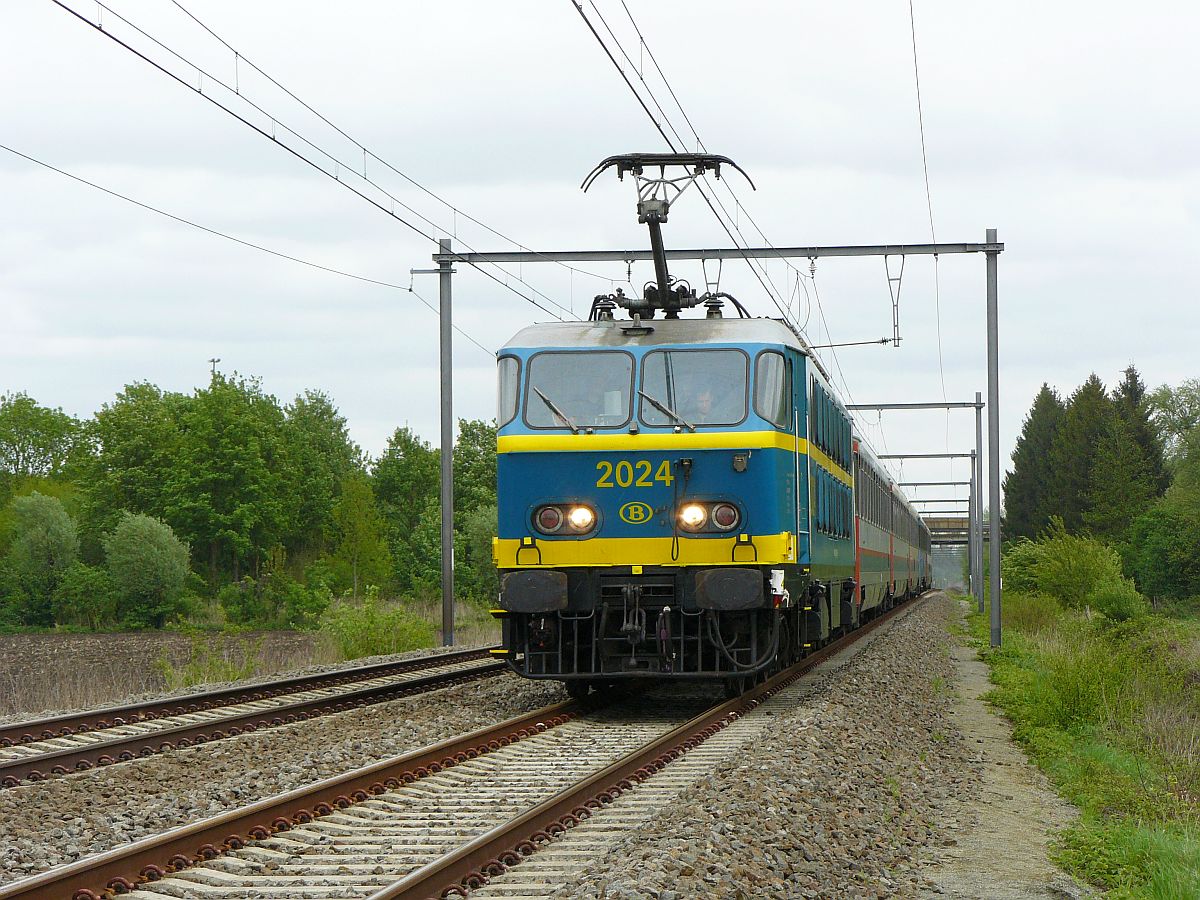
51 672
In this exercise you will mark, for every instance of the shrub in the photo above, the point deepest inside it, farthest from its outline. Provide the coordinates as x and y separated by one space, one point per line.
372 626
276 600
210 660
149 566
86 595
1118 600
292 604
1030 612
241 602
1076 570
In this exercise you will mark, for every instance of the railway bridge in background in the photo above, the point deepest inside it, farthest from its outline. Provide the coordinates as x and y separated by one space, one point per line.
950 537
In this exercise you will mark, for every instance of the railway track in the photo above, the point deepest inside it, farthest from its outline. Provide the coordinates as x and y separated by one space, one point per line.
43 748
449 818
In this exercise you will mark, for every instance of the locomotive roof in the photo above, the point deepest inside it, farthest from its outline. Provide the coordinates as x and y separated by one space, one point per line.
666 331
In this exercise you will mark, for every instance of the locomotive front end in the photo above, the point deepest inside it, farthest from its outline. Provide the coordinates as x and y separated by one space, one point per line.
649 523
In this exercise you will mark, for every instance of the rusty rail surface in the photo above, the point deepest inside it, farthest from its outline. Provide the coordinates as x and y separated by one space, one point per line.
509 843
123 748
122 869
144 711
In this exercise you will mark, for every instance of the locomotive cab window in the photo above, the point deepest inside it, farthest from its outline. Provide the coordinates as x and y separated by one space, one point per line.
683 388
579 389
772 388
509 369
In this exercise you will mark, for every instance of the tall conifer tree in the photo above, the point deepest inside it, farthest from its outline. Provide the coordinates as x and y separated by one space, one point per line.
1121 486
1131 403
1027 508
1073 452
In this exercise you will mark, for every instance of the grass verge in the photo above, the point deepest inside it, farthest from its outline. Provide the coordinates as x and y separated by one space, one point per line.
1111 713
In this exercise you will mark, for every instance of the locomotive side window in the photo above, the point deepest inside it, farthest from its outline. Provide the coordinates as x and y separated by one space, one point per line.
509 367
772 388
579 389
696 387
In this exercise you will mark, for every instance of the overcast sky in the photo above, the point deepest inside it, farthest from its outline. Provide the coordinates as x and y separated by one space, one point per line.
1072 129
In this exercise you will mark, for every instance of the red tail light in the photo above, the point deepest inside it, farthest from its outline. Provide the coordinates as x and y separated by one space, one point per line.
548 519
725 516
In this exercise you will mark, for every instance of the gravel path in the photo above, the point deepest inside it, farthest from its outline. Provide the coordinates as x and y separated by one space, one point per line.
1002 850
60 820
833 799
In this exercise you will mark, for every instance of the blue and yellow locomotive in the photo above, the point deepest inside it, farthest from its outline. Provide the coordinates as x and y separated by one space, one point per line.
676 496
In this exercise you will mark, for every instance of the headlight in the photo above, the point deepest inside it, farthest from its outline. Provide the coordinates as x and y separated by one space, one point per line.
548 519
692 516
725 516
581 518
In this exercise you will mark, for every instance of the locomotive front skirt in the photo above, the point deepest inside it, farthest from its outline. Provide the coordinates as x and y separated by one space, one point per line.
677 498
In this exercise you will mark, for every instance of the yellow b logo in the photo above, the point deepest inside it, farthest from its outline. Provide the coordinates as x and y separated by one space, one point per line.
636 513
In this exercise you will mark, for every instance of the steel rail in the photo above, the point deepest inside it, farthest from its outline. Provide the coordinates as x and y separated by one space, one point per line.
149 859
506 845
108 717
152 858
124 748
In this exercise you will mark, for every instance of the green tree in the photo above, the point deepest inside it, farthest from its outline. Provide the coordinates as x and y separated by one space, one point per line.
43 545
228 488
1131 403
137 441
1121 485
1165 544
322 456
474 469
1073 450
1175 413
1028 487
404 479
474 571
361 544
149 566
424 560
35 441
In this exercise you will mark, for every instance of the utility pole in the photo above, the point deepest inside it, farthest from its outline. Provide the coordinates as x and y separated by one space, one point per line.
445 260
213 362
993 369
446 366
977 475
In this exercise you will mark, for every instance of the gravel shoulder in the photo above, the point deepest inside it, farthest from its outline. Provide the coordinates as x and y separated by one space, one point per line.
887 777
835 797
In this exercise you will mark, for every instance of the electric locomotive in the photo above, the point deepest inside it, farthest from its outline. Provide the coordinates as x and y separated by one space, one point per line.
677 495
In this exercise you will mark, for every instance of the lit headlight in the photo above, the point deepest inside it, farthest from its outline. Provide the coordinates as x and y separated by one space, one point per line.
692 516
581 518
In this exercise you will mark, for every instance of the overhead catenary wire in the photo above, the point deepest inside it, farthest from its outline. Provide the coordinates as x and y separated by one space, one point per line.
237 240
937 300
729 226
340 167
771 291
742 210
241 57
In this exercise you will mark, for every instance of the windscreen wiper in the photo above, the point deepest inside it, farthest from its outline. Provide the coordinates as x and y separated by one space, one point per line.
666 410
566 420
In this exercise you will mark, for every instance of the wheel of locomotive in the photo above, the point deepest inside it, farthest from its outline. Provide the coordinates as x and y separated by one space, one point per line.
578 688
783 656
